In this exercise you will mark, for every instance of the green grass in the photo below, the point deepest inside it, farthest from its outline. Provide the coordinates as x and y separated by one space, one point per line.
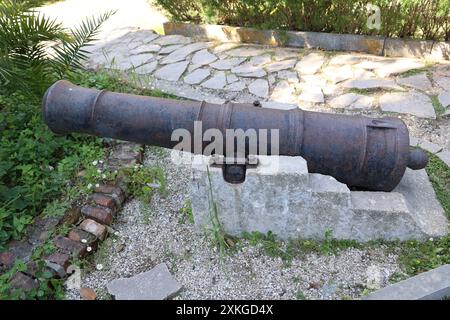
439 174
367 91
413 72
186 213
218 236
287 250
114 80
437 105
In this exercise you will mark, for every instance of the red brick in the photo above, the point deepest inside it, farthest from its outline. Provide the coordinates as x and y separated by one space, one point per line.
62 259
23 282
83 237
71 216
104 200
78 235
99 214
115 191
88 294
67 245
94 228
7 259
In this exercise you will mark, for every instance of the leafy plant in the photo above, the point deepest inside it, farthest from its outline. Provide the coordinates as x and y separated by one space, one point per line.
36 50
143 182
272 247
421 19
186 213
35 165
218 235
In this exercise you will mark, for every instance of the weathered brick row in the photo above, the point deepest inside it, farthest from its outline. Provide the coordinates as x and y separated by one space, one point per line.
85 237
108 198
100 214
62 259
94 228
104 200
71 216
67 245
114 191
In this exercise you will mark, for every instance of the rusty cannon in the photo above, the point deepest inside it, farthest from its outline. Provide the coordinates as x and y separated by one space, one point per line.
361 152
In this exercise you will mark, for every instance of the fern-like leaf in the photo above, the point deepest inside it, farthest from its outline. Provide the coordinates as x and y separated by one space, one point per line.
70 54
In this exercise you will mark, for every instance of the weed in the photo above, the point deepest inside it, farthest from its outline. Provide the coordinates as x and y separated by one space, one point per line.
147 213
103 252
143 181
300 295
412 72
437 105
56 208
186 213
113 80
332 246
368 91
271 246
219 237
439 174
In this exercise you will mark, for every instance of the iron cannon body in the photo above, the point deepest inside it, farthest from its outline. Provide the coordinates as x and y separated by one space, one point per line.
359 151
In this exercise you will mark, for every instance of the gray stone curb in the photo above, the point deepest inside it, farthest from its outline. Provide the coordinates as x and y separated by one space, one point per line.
430 285
377 45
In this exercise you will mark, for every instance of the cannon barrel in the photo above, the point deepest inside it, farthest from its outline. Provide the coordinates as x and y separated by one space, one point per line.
358 151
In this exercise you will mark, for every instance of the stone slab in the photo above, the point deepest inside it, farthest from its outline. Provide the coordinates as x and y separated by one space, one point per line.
172 72
279 195
197 76
412 102
444 98
259 88
156 284
418 81
218 81
430 285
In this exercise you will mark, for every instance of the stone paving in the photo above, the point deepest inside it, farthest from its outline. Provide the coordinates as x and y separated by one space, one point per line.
415 90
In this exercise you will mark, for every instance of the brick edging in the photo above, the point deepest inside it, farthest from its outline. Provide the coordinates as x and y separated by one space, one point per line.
90 218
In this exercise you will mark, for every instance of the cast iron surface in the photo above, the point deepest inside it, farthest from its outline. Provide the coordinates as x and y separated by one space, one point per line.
358 151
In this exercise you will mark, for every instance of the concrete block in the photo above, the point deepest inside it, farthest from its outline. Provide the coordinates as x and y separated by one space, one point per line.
407 48
333 41
430 285
281 196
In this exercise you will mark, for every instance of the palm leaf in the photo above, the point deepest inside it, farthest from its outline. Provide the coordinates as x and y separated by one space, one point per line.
70 54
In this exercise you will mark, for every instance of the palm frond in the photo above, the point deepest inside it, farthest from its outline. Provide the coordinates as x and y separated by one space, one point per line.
70 54
35 49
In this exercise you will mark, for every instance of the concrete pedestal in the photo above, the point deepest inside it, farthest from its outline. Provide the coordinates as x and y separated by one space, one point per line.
281 196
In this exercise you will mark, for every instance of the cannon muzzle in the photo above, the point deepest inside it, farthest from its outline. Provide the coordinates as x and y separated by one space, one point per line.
359 151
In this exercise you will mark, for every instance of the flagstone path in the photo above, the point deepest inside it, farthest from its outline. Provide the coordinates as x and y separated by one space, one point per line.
415 90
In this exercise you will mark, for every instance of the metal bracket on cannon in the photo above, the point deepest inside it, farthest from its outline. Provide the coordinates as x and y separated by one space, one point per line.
233 168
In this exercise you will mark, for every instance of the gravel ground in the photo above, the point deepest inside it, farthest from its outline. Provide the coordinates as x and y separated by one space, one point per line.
148 235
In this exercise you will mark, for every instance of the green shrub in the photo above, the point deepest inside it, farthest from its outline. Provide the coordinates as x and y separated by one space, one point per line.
421 19
35 164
